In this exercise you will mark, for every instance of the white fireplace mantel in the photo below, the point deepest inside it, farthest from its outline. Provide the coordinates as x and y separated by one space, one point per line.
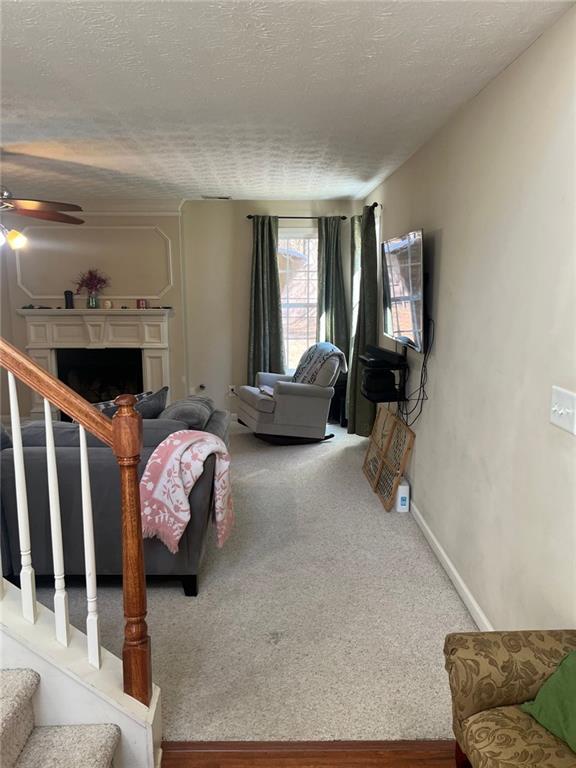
147 329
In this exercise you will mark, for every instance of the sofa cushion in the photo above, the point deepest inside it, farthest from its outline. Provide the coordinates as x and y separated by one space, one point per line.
5 439
156 430
505 737
252 397
66 433
555 704
194 411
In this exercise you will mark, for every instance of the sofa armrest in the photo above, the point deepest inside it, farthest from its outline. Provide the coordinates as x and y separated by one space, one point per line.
269 379
499 669
303 390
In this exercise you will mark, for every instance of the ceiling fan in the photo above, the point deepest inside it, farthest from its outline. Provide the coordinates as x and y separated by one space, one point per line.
47 210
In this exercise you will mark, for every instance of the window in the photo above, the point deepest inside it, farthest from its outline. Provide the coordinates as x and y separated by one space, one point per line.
298 267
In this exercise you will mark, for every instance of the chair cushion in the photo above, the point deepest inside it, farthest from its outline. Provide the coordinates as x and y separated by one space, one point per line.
255 399
505 737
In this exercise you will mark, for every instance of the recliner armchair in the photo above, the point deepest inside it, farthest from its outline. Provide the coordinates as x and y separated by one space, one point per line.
286 408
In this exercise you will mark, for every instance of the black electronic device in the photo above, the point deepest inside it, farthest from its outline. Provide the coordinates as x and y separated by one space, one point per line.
384 375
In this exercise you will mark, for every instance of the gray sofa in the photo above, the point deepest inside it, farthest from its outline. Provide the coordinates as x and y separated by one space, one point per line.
104 480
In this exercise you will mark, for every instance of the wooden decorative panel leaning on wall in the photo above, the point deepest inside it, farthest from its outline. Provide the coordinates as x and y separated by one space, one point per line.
388 454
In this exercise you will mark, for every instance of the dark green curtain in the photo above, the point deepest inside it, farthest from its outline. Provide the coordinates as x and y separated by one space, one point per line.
361 412
333 323
266 348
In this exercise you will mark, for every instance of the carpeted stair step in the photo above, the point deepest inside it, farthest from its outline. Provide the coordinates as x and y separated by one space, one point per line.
70 746
17 687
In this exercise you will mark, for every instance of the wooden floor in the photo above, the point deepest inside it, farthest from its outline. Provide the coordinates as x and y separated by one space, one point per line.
340 754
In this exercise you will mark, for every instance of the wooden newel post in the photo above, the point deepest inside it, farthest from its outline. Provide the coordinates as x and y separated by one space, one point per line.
127 443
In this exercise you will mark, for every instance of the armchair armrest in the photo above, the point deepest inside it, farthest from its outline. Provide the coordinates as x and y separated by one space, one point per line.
302 390
269 379
498 669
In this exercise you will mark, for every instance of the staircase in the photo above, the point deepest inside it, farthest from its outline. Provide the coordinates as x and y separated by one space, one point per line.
22 745
61 677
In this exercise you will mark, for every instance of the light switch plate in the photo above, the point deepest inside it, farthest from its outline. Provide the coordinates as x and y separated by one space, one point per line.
563 409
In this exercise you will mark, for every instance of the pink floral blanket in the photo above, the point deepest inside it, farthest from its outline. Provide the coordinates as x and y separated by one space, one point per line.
170 474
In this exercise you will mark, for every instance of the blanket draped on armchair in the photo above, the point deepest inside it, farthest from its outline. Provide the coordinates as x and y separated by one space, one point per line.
170 474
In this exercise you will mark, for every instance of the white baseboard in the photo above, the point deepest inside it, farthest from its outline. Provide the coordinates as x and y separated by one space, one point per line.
480 618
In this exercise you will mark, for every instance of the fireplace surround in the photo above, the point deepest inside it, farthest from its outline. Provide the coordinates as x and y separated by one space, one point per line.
143 330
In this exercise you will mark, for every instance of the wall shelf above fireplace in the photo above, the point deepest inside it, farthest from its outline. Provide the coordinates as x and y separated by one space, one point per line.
92 312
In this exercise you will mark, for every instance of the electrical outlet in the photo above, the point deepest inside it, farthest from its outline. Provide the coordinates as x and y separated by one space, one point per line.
563 409
231 390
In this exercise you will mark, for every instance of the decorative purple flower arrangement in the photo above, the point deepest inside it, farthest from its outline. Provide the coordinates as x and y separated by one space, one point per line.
93 282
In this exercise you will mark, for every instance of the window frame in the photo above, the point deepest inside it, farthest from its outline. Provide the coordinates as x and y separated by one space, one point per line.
287 232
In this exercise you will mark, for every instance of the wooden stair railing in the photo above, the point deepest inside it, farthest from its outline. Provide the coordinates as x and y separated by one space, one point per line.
123 434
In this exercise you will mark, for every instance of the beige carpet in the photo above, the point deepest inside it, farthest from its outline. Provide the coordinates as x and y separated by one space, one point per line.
322 618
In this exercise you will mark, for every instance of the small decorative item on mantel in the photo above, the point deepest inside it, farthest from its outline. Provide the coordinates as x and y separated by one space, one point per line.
93 282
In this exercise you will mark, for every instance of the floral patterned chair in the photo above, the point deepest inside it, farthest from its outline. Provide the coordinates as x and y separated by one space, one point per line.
491 674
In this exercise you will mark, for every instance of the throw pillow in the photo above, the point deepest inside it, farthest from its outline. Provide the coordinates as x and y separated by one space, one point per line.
554 705
152 406
195 411
148 404
106 405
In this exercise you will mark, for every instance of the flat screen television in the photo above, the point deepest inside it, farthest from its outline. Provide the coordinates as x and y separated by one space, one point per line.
403 290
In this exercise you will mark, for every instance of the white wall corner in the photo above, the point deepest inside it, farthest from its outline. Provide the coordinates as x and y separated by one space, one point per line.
480 618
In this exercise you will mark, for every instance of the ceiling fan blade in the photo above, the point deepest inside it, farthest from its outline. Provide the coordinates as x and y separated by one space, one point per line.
48 216
40 205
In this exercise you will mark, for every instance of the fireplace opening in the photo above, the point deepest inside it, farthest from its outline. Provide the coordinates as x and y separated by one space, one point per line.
100 374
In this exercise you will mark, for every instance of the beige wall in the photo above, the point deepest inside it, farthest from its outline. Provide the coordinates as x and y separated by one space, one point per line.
139 251
197 261
217 241
495 193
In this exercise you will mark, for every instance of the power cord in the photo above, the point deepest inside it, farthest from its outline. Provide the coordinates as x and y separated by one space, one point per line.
411 413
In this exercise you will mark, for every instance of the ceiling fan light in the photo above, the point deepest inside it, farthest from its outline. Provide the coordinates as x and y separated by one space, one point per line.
16 240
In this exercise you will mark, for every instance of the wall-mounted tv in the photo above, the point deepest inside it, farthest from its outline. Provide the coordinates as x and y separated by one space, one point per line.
403 290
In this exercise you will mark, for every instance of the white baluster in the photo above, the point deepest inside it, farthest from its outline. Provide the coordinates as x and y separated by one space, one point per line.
27 579
92 631
60 595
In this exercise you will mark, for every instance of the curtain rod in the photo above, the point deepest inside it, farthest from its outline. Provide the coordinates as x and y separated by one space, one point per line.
251 216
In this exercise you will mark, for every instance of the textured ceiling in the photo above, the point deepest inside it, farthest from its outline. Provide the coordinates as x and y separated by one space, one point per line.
275 99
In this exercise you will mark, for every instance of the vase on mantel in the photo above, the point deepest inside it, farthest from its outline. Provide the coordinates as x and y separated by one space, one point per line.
93 301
